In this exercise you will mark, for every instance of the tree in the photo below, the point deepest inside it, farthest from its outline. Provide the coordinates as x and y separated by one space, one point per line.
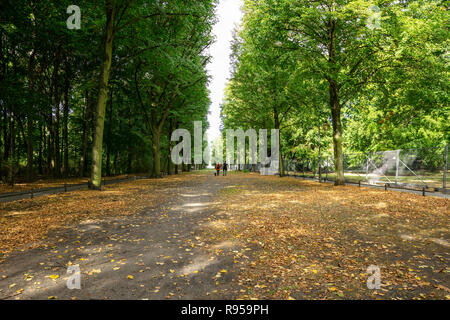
330 42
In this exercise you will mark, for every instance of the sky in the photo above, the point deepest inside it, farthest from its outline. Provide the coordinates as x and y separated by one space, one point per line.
228 14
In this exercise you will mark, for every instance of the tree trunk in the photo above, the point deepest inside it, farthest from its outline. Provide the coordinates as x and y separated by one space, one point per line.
41 137
116 155
280 158
170 147
5 135
97 146
335 106
156 170
108 161
337 135
320 155
45 148
169 161
130 161
57 147
2 142
29 148
12 147
108 144
54 157
86 128
65 128
50 153
130 148
29 119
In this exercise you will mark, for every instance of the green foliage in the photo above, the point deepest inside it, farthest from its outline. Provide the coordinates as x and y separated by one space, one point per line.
49 82
323 68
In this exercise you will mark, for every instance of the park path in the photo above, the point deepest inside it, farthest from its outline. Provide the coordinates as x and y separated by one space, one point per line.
156 254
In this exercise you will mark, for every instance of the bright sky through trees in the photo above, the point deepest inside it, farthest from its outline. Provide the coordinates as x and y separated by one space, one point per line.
228 14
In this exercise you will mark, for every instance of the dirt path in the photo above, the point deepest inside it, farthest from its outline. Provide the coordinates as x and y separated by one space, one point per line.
243 236
157 254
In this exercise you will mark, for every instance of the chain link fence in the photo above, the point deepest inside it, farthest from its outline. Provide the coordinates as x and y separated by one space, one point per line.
425 168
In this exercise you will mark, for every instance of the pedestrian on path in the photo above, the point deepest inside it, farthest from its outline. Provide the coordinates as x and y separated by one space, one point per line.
225 168
218 166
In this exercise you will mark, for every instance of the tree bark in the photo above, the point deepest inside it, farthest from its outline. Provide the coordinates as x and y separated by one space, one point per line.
49 143
156 138
5 135
170 146
12 147
130 148
337 135
335 106
57 147
29 119
86 128
116 155
97 146
29 148
277 126
41 137
65 126
320 155
108 144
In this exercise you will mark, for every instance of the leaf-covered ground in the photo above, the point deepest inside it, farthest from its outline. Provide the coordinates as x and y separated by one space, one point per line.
27 222
315 241
244 236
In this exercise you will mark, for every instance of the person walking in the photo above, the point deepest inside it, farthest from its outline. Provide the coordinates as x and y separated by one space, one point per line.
218 166
225 168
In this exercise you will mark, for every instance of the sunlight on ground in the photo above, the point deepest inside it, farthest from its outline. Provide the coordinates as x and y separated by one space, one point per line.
442 242
19 213
217 224
228 244
195 195
199 264
196 204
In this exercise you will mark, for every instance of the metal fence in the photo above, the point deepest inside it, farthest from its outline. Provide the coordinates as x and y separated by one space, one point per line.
408 168
66 187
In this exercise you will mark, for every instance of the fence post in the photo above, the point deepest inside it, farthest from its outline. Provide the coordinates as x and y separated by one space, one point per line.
303 168
343 166
319 168
367 166
397 164
31 192
445 166
65 187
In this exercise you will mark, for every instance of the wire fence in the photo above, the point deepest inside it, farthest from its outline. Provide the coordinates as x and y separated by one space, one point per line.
66 187
425 168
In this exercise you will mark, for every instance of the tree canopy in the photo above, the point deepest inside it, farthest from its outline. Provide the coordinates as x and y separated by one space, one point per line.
379 81
102 99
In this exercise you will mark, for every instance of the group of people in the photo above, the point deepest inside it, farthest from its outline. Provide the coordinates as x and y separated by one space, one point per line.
224 168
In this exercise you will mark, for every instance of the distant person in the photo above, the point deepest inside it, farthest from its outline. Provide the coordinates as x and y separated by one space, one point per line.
225 168
218 166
